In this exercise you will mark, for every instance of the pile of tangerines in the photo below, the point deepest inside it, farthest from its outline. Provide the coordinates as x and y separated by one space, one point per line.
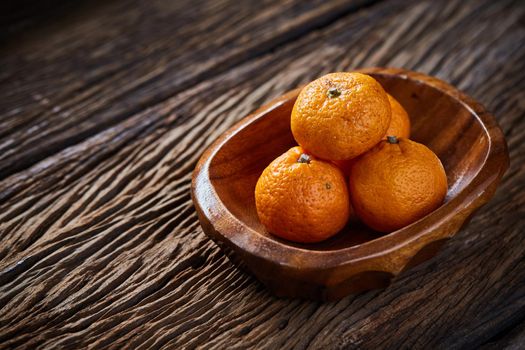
354 155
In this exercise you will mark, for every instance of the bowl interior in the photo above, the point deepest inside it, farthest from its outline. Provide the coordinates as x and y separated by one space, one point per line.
439 121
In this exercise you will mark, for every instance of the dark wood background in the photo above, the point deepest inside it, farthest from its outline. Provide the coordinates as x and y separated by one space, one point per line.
105 109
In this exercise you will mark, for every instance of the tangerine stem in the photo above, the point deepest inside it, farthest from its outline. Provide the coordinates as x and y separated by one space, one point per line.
392 139
304 158
334 92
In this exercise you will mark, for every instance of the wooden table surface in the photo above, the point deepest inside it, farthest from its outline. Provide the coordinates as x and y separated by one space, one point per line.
105 109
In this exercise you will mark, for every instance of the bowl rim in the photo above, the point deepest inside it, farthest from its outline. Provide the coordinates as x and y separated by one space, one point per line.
211 208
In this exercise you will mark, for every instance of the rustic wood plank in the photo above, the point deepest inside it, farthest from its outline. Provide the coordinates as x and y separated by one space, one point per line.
511 339
100 244
21 16
97 67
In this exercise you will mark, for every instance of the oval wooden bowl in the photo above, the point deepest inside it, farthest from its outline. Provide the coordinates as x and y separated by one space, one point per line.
460 131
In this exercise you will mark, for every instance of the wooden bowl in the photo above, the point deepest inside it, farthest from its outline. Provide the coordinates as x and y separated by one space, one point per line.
459 130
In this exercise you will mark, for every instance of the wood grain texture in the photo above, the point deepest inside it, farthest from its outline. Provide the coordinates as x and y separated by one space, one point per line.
100 243
148 55
510 339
